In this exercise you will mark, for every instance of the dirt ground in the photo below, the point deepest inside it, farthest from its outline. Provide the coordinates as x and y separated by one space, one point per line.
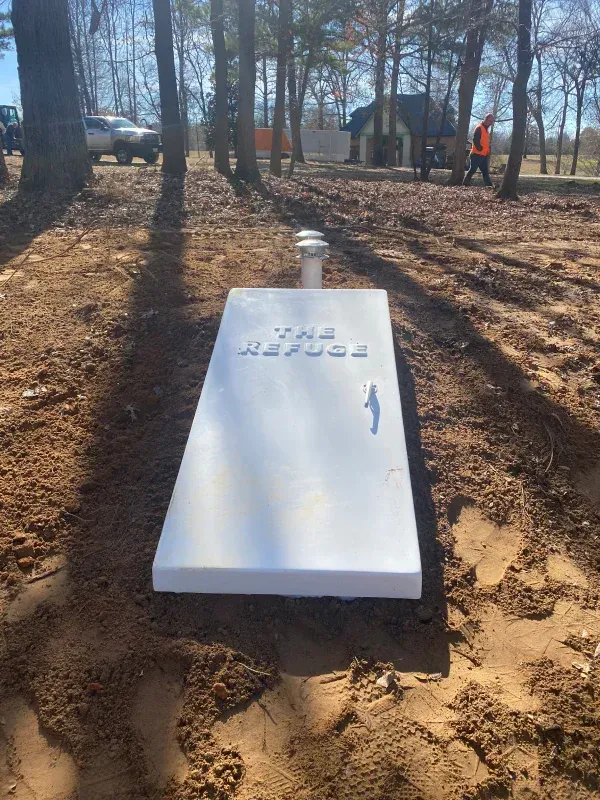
488 687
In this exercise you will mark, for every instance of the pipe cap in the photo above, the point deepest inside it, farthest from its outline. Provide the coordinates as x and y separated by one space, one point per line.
311 248
315 235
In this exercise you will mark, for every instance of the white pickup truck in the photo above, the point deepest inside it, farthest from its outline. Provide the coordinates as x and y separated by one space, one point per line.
121 138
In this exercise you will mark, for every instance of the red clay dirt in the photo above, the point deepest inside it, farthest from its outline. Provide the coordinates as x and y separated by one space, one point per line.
488 687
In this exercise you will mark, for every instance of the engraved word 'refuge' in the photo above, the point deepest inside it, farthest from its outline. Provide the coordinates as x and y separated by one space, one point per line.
308 339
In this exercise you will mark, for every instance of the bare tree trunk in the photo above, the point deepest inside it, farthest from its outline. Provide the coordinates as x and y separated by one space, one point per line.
579 94
185 120
426 104
279 110
469 75
115 39
294 109
246 168
379 84
90 58
308 65
539 116
183 92
510 180
539 120
128 38
265 83
95 73
133 62
174 162
75 26
56 156
392 148
113 70
222 118
561 132
180 26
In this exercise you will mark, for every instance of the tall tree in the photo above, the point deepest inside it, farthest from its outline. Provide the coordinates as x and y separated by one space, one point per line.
542 36
279 111
562 66
56 156
295 112
381 30
181 18
174 162
585 63
392 157
430 55
246 168
508 189
478 16
221 122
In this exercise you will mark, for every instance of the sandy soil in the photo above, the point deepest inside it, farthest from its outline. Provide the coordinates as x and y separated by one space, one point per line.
487 687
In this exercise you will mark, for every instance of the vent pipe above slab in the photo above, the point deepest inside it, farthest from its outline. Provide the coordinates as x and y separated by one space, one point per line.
312 254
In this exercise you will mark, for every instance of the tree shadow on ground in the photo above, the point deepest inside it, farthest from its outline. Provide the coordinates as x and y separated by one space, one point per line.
541 421
547 272
112 626
24 217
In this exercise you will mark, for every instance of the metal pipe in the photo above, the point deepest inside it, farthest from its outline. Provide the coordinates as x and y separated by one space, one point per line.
312 254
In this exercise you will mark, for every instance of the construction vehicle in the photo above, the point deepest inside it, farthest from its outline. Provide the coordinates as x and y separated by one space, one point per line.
9 115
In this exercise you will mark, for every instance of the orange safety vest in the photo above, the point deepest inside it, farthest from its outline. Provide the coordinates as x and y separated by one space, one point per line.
484 150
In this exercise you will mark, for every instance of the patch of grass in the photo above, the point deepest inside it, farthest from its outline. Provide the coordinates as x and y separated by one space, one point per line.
586 167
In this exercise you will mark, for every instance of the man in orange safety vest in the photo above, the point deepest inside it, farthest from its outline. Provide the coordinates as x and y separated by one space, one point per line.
480 151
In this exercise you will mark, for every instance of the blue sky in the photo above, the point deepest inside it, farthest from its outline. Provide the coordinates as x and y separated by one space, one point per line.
9 78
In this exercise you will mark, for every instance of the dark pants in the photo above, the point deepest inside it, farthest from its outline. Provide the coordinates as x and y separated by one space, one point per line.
478 162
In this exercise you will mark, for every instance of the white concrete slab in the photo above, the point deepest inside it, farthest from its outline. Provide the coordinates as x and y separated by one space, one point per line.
289 483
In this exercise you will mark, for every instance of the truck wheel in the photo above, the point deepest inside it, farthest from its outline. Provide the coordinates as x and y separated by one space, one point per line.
96 157
151 158
122 154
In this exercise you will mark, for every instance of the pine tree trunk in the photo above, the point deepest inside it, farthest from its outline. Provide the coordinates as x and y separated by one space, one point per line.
392 148
508 189
425 125
469 75
222 118
56 156
279 110
246 168
294 109
265 83
561 133
174 162
183 101
379 86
